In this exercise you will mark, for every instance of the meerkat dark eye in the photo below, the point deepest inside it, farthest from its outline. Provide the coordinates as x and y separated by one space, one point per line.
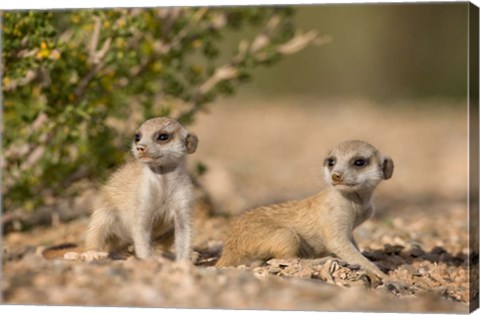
330 162
137 137
360 162
163 137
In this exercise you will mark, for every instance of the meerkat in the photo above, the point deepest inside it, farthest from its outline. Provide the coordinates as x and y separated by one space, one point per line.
321 224
150 198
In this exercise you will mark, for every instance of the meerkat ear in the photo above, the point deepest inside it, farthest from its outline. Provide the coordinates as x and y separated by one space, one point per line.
387 167
191 142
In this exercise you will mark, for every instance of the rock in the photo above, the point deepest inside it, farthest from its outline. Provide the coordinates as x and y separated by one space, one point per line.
71 256
437 250
375 255
393 249
416 252
431 257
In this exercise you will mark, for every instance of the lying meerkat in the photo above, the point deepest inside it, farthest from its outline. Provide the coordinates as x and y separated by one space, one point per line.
149 198
321 224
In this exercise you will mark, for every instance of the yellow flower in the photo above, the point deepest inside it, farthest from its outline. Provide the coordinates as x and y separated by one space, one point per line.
44 53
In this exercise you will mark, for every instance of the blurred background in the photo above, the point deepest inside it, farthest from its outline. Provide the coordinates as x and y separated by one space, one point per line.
392 74
268 89
377 51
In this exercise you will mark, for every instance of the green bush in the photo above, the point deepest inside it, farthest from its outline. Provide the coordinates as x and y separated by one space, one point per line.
74 82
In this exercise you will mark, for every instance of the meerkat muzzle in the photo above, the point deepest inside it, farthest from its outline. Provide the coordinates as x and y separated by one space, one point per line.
337 177
140 147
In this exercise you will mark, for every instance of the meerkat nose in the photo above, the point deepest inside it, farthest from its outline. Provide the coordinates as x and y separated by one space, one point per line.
337 177
140 148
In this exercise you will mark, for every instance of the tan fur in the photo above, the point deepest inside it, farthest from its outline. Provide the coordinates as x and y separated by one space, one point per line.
319 225
150 197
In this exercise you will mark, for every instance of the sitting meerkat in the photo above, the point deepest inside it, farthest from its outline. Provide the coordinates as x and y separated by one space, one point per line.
321 224
149 198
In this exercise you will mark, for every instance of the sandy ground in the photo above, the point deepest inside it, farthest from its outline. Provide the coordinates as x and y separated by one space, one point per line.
258 154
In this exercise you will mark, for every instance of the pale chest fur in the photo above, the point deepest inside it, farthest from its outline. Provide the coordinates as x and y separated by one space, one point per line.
161 195
329 213
361 213
355 210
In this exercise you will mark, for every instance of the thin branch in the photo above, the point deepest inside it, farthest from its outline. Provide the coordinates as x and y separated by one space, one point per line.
27 79
300 41
95 57
229 71
94 41
226 72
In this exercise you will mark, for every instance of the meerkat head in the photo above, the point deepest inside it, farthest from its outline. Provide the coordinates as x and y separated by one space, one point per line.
162 141
356 165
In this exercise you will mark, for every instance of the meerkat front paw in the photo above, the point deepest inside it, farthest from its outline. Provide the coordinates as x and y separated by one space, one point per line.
93 256
370 278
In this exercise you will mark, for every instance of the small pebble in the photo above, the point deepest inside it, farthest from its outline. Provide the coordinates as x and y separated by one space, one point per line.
71 256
